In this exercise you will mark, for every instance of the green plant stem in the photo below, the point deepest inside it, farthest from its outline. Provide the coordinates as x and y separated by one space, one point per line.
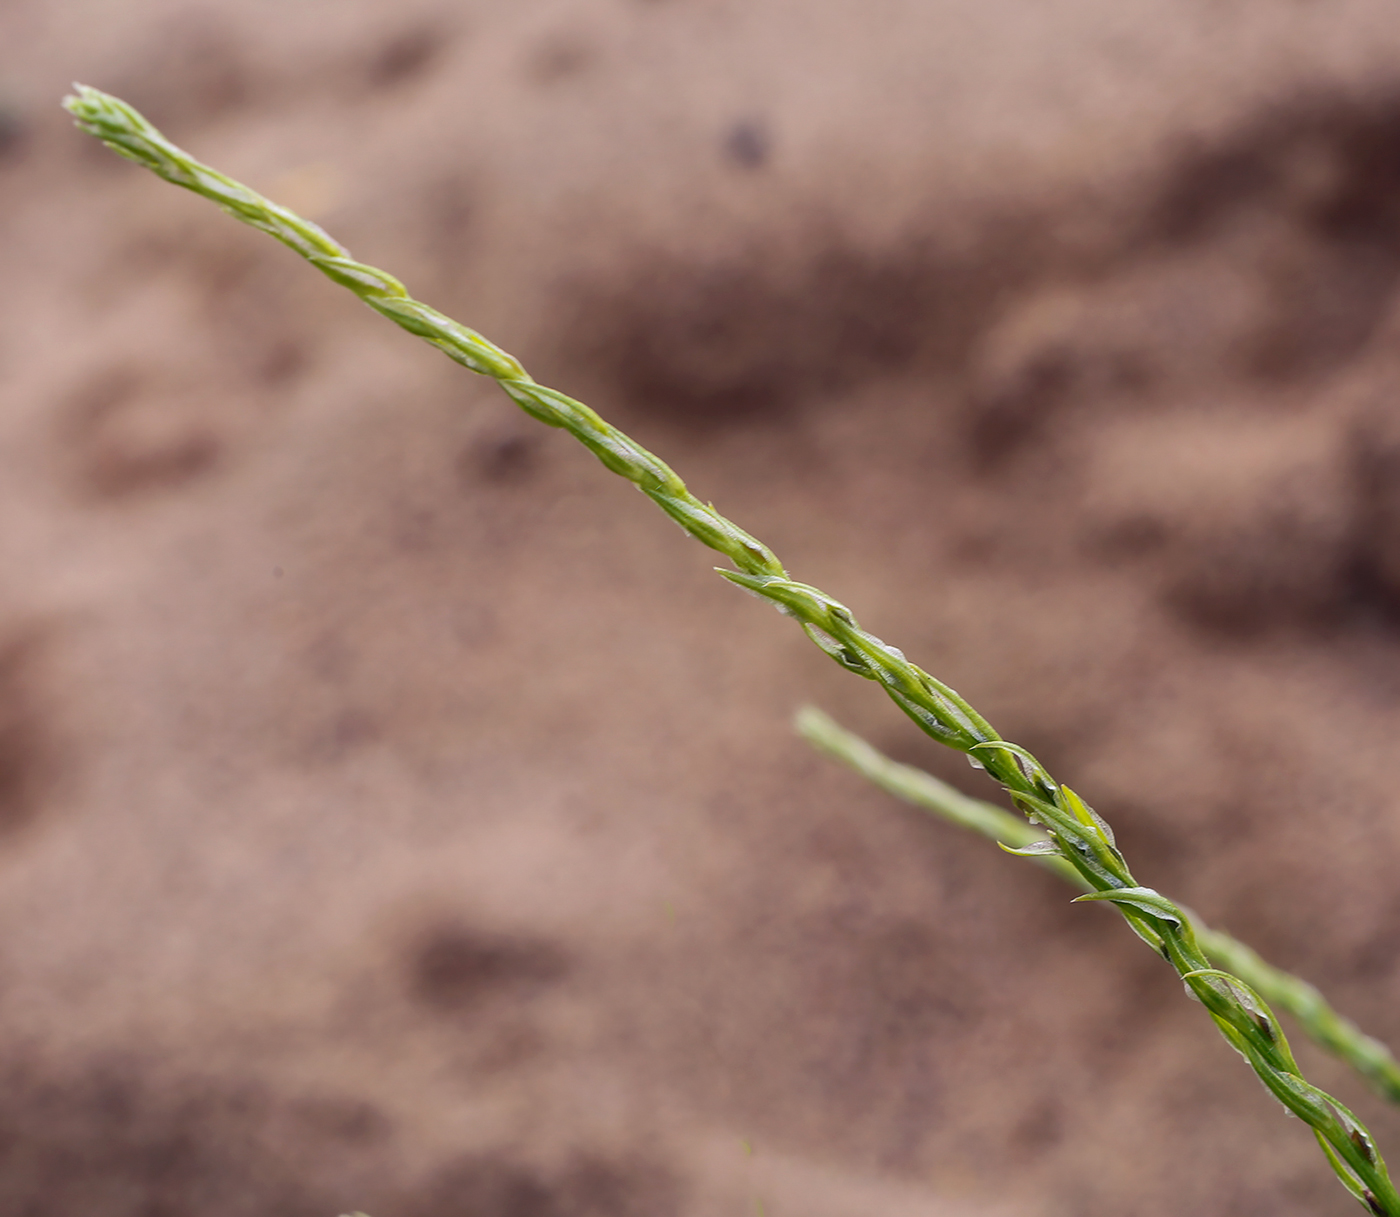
1338 1035
1075 832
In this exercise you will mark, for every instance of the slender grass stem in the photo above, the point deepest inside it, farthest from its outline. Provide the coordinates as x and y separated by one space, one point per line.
1337 1034
1075 833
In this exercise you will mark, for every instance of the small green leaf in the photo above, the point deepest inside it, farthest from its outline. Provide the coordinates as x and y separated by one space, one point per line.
1144 899
825 641
1042 811
1139 926
1031 769
1036 849
1086 815
1255 1007
926 719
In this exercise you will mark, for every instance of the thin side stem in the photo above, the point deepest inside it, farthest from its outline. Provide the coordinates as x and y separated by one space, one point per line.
1074 831
1332 1031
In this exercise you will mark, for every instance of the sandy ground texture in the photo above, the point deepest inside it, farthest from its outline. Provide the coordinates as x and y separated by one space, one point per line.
396 813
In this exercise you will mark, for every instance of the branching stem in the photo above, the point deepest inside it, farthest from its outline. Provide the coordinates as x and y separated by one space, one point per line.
1337 1034
1078 835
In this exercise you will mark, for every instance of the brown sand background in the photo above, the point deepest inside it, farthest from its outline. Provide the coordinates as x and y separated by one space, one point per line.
398 815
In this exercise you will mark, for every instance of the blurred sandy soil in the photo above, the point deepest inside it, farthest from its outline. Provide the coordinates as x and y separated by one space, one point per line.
397 815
